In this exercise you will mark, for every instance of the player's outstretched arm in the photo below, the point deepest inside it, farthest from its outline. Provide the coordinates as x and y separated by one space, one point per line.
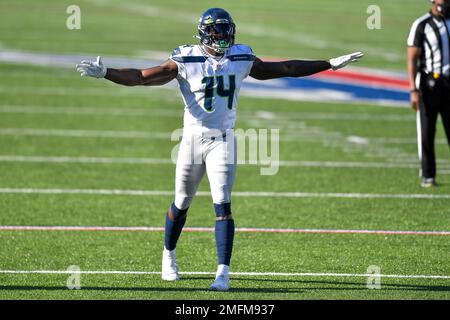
263 70
154 76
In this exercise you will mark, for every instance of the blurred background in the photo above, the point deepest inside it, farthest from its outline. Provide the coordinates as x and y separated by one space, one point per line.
282 29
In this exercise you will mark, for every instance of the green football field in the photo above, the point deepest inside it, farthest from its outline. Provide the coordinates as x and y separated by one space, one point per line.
86 153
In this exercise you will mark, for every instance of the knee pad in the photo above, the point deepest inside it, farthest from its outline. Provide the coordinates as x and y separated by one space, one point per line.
176 214
223 210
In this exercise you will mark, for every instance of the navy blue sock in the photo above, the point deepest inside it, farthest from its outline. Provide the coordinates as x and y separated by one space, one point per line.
224 233
175 220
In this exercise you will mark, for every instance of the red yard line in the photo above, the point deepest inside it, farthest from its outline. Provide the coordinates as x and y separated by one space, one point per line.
363 78
203 229
366 78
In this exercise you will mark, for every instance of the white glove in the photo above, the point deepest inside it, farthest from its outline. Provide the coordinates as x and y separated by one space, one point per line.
94 69
342 61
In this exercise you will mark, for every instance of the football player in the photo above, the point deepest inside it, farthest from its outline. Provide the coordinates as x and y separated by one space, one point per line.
210 75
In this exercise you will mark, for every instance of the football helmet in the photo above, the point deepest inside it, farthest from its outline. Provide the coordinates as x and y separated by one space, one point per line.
216 30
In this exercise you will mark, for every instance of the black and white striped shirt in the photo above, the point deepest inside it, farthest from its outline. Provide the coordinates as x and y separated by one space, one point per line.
432 34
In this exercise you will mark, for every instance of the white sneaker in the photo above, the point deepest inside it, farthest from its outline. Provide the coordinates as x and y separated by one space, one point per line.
428 183
169 266
222 282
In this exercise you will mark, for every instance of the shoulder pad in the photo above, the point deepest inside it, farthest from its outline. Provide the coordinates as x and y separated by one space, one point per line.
181 51
241 52
185 54
241 49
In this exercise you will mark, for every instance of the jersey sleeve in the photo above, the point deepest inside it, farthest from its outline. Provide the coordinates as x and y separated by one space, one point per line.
176 57
245 54
416 35
252 60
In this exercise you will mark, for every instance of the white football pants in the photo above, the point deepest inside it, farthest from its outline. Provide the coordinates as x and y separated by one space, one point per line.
215 155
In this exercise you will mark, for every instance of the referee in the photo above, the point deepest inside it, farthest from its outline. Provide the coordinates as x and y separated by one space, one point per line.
429 78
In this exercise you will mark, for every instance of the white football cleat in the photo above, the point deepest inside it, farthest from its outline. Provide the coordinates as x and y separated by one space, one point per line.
428 183
169 266
222 282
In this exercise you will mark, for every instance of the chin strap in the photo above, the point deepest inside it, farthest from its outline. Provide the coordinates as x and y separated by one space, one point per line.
209 54
210 47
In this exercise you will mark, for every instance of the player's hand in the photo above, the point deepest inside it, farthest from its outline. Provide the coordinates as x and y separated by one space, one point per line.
340 62
415 100
94 69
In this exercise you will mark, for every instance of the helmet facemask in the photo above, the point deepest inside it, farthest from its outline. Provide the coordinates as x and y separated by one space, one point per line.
218 36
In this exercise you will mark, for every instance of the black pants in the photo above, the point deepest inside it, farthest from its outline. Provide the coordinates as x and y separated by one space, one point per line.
435 100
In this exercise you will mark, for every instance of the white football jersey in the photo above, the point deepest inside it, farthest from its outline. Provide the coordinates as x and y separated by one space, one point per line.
210 85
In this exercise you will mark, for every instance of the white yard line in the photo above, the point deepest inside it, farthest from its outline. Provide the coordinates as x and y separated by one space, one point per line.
102 111
150 161
323 96
97 160
251 274
207 229
279 117
165 161
235 194
109 92
166 135
85 133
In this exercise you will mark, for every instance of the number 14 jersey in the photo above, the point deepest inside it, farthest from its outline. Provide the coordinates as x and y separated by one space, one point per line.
210 85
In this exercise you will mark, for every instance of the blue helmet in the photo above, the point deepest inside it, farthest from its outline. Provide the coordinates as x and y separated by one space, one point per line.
216 30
